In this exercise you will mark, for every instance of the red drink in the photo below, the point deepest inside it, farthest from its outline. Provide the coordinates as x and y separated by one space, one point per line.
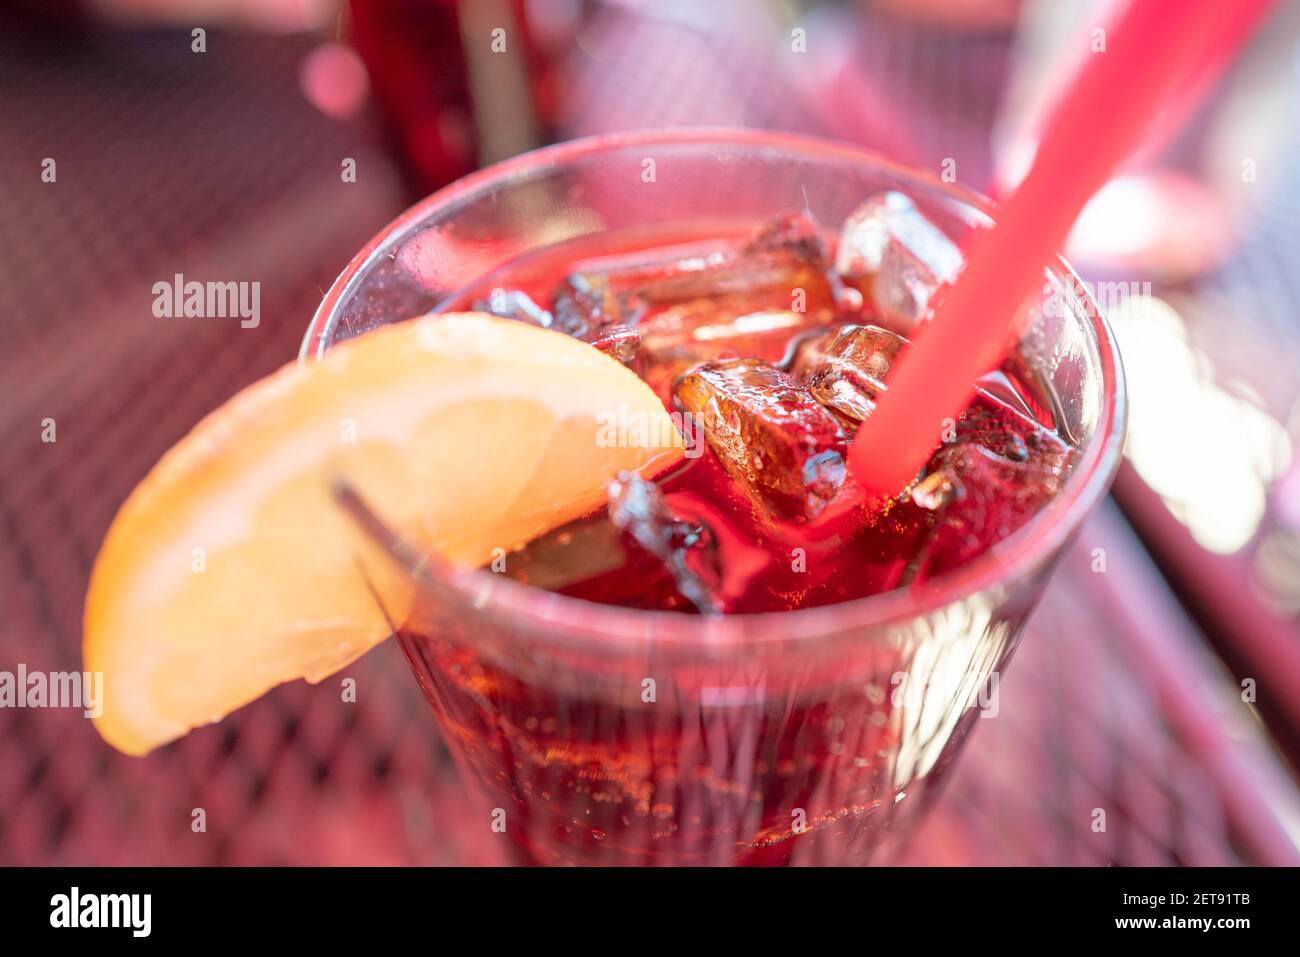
708 670
721 536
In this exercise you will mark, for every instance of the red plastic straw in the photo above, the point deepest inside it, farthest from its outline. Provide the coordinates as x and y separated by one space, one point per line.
1155 50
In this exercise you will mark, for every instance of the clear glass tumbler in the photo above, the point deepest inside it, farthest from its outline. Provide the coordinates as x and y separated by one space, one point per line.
603 735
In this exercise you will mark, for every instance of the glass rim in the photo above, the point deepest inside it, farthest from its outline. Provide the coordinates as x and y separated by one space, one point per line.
568 621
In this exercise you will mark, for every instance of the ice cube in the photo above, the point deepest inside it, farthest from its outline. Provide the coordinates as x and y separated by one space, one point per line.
769 432
515 304
784 264
999 470
845 368
794 233
621 342
677 337
687 549
896 257
694 302
589 308
976 491
636 553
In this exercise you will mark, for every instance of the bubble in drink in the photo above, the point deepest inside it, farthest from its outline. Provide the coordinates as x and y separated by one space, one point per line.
769 432
896 257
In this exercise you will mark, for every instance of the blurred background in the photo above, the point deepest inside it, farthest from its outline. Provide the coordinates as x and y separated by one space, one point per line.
206 137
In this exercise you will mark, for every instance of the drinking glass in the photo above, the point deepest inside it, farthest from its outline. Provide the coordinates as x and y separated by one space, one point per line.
605 735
